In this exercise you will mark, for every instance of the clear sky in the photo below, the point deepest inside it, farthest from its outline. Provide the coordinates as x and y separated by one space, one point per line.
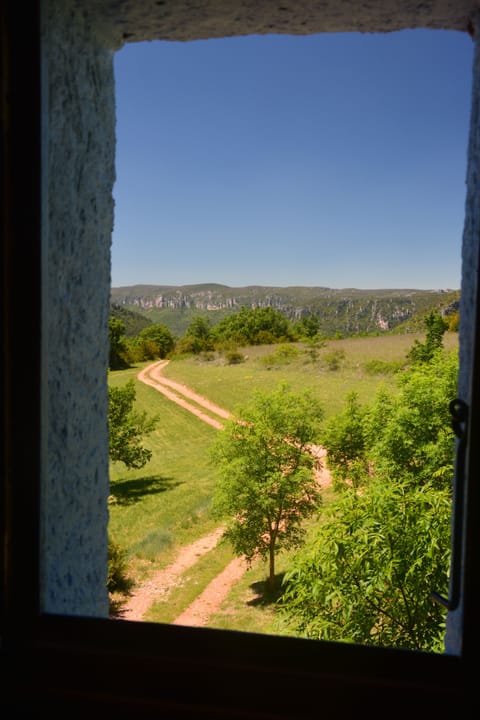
325 160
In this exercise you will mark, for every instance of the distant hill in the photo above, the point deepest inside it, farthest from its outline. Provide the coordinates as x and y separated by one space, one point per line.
348 311
133 321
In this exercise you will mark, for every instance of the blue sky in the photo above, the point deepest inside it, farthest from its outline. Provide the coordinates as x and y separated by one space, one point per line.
325 160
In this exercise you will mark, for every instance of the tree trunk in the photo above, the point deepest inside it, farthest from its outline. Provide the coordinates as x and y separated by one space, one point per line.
271 575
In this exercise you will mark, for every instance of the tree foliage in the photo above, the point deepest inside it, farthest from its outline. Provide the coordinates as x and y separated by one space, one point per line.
344 436
133 321
118 354
127 427
197 339
369 574
436 326
308 327
382 549
157 340
267 485
253 326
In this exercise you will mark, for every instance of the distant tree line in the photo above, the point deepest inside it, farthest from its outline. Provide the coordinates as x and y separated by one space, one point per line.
249 326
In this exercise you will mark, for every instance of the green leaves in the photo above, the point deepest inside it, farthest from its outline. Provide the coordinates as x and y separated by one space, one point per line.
127 427
384 544
253 326
436 326
156 340
369 574
267 485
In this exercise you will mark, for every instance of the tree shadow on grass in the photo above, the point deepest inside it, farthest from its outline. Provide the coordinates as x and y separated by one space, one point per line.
264 595
128 492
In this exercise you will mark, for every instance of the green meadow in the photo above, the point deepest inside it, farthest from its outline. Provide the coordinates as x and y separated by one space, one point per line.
158 509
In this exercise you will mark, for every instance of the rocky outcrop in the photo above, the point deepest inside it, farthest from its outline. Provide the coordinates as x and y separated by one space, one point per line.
349 311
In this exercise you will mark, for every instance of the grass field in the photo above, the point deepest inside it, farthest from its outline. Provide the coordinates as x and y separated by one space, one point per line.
156 510
230 385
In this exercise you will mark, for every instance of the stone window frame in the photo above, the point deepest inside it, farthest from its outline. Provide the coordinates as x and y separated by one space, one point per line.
56 661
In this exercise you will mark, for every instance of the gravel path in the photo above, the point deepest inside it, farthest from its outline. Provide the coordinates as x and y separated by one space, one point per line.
159 586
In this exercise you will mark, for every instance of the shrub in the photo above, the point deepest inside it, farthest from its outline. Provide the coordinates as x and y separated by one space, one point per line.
283 355
119 583
383 367
117 579
207 356
334 359
233 357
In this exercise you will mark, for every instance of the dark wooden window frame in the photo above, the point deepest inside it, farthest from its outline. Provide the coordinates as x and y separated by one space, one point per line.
77 665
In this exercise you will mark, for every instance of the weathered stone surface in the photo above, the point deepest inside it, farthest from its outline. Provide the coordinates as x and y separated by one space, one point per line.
133 21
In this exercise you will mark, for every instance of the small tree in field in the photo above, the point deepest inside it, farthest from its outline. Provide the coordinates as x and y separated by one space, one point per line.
126 430
436 326
127 427
118 356
267 485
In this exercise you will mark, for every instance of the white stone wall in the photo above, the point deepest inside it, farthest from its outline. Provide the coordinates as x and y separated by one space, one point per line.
79 155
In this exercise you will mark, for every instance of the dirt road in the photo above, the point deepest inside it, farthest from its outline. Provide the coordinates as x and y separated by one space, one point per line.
159 586
181 394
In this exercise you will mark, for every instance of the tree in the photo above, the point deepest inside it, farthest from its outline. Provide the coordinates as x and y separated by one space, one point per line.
308 327
118 354
344 439
368 574
267 484
157 340
199 329
436 326
313 345
127 427
253 326
453 321
197 338
409 434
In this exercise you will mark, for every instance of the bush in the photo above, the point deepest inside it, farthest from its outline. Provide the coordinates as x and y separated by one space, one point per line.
383 367
118 579
283 355
233 357
334 359
119 583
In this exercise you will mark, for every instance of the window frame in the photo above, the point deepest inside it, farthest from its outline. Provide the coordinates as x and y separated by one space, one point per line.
79 664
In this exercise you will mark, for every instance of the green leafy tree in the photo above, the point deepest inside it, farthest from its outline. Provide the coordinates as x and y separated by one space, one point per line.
118 355
368 575
199 330
156 340
313 346
253 326
267 485
436 326
409 433
308 327
127 427
119 582
453 321
344 439
197 338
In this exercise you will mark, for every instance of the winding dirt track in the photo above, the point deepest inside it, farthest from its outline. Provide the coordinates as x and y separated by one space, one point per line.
159 586
181 394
